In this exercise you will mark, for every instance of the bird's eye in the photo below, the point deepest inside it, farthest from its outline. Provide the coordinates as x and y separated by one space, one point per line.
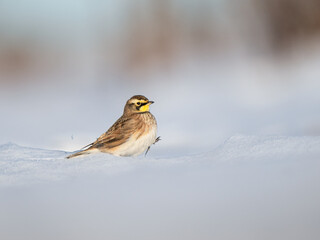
138 103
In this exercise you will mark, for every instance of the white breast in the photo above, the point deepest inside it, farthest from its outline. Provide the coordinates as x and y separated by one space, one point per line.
135 146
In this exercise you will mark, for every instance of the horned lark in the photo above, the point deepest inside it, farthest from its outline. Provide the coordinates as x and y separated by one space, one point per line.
132 134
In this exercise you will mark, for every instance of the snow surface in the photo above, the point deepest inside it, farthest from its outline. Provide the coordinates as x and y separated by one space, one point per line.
192 184
249 187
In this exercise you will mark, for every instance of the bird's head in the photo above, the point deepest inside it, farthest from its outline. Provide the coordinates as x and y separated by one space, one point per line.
137 104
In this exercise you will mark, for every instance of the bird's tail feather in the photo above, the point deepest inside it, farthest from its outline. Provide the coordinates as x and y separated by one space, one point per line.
78 154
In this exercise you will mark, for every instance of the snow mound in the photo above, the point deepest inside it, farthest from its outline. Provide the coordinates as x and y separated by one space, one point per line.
23 165
248 188
267 147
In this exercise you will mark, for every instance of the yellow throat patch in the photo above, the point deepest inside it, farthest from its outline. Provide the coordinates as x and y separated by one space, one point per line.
144 108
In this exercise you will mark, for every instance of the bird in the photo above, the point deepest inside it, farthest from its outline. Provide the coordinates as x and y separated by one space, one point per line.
131 135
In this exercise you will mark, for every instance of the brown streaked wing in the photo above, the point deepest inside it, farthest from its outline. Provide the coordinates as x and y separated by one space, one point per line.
118 133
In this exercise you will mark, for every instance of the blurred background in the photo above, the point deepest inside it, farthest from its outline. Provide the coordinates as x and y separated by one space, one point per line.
215 68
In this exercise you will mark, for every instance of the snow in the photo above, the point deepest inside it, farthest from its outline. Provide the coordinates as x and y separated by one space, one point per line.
240 129
249 187
197 183
263 182
23 165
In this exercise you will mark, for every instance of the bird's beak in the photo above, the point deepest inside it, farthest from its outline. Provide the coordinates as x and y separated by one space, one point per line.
150 102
